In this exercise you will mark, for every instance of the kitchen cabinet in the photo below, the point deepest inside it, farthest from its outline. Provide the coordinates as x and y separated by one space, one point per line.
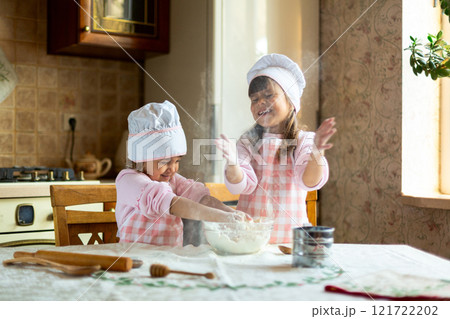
114 29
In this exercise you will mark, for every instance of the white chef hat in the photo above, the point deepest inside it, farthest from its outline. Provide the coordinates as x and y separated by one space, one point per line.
155 133
282 70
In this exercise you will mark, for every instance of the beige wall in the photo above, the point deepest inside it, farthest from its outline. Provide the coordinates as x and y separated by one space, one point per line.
201 46
181 77
289 27
100 92
293 30
309 62
361 85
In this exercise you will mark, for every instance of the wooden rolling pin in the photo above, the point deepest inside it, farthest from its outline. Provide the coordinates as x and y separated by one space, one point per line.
112 263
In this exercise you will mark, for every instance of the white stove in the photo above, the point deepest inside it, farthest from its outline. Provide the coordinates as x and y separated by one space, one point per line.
26 215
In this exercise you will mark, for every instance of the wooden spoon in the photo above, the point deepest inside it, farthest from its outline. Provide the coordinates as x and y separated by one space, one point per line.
285 250
68 269
158 270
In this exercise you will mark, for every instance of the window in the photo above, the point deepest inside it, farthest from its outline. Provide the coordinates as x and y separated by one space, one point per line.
426 115
445 120
243 32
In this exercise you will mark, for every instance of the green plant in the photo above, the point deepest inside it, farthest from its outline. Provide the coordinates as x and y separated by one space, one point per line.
445 6
435 61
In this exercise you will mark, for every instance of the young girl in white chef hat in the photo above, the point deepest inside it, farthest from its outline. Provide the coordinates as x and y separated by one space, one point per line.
275 164
151 197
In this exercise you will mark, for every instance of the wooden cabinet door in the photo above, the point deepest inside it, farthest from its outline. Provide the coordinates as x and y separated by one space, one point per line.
95 28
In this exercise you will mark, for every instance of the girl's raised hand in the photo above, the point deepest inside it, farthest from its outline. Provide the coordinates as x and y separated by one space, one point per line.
325 131
228 149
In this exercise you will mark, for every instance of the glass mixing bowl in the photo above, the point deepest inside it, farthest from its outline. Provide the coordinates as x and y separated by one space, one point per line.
238 238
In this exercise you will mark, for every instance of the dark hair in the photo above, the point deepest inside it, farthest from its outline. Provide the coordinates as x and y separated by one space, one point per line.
259 84
136 166
291 127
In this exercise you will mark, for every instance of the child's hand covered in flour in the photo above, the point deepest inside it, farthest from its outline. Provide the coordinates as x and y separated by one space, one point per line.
228 149
325 131
238 216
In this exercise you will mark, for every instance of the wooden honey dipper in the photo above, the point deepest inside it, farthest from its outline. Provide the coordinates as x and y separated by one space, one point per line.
158 270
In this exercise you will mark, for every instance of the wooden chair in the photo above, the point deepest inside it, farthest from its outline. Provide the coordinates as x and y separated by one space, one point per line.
311 206
221 192
69 223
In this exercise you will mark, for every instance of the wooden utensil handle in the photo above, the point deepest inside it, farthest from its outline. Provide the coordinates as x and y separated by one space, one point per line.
19 254
285 250
68 269
112 263
207 275
31 260
186 273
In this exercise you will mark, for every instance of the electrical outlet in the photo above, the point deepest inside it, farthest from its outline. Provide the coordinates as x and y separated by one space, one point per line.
66 118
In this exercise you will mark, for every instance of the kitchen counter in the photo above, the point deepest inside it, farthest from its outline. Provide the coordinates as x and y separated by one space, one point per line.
267 275
107 181
34 189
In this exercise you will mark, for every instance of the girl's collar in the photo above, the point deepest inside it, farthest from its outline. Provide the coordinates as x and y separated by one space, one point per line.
278 135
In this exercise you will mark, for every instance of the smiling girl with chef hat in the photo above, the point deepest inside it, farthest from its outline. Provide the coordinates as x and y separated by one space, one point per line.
151 197
275 164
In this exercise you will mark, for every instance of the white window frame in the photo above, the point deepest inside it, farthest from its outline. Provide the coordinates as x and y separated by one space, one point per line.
425 122
445 120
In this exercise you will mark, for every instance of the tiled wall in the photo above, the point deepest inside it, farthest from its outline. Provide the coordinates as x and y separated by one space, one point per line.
361 85
100 92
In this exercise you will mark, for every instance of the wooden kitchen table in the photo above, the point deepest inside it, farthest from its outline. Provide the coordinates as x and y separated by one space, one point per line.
267 275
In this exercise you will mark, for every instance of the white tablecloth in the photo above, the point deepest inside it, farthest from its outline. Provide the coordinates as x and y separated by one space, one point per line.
267 275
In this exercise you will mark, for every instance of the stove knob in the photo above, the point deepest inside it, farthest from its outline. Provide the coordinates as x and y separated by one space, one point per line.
66 176
50 176
82 176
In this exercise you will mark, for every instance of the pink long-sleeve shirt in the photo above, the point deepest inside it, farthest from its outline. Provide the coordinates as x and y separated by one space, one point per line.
273 187
143 207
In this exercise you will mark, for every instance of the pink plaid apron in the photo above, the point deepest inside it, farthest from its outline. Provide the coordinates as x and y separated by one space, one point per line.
277 194
167 230
143 207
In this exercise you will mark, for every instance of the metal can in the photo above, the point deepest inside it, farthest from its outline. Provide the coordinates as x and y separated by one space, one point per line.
312 246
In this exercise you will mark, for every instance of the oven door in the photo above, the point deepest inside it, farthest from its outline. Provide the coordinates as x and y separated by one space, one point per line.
24 239
26 221
29 221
